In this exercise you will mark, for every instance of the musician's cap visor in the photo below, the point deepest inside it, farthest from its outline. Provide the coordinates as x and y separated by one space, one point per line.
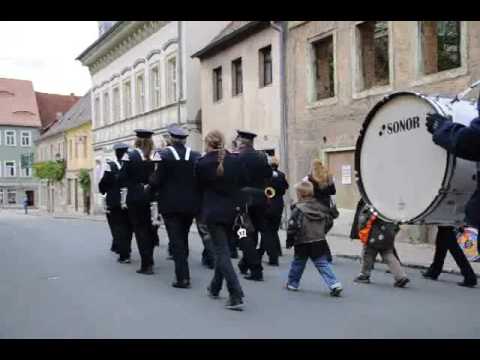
120 146
246 134
144 133
177 132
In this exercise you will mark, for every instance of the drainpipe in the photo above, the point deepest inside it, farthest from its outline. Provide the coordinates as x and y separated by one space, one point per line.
179 69
281 28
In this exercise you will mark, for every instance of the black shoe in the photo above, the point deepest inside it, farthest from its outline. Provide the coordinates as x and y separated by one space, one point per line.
124 261
254 277
234 303
211 294
243 269
146 271
273 263
182 284
469 284
335 292
401 282
428 275
363 279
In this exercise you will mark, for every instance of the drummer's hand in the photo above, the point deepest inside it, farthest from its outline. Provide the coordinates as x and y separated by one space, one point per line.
434 121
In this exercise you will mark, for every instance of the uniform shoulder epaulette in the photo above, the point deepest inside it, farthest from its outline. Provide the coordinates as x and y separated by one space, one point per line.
126 157
157 156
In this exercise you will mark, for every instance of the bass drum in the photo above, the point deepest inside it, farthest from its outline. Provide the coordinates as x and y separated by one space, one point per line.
402 173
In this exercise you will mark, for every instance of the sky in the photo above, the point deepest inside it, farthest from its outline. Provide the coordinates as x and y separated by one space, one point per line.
44 52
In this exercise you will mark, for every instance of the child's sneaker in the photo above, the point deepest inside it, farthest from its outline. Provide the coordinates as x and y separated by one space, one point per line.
364 279
335 292
401 282
291 287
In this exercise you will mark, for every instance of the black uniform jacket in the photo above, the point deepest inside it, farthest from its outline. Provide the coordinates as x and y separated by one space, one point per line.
134 175
280 184
110 185
464 142
254 173
220 194
174 182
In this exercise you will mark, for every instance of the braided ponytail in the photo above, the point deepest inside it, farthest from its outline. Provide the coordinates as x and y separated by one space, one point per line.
216 141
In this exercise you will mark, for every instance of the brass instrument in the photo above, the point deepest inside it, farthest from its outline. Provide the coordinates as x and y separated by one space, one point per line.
155 218
270 192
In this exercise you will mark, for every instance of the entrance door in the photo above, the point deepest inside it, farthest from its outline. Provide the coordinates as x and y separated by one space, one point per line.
30 197
341 166
76 194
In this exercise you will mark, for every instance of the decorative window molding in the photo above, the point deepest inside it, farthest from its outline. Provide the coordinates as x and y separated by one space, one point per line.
168 43
114 76
125 70
153 53
138 62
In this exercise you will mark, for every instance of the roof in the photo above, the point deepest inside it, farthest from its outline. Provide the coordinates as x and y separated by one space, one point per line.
18 106
231 34
79 114
49 105
100 39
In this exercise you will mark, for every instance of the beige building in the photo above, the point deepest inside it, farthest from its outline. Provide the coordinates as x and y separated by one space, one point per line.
338 70
240 82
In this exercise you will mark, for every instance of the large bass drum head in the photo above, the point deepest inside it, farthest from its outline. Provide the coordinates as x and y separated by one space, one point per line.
400 170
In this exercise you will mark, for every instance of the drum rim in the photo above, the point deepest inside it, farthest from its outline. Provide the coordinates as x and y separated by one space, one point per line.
358 148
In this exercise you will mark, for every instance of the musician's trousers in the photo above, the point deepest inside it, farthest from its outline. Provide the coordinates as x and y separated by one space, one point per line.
270 242
121 231
178 227
251 258
140 218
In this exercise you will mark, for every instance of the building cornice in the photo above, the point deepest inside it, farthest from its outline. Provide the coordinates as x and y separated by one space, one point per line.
122 37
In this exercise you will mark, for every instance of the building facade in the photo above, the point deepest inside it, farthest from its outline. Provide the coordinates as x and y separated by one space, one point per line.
143 77
19 128
338 70
240 82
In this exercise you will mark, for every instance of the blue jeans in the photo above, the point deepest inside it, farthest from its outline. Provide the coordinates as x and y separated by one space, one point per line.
323 266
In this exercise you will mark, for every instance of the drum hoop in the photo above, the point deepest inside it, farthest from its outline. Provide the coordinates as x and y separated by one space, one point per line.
449 170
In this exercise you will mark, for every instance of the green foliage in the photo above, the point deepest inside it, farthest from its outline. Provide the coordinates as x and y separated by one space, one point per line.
84 180
53 171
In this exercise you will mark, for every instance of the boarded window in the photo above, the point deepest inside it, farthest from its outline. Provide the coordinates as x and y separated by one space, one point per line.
237 78
323 68
440 43
172 79
265 59
140 92
116 104
155 87
217 84
374 57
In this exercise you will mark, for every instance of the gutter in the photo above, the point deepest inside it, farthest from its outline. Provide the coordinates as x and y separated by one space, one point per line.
179 70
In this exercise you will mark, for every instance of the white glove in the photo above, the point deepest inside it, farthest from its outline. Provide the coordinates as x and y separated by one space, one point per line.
107 167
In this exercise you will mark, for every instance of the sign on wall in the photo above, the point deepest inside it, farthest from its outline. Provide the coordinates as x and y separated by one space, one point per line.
346 174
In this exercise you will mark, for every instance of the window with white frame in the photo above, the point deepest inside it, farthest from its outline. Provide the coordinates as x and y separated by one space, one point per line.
106 108
97 111
11 196
10 138
155 86
116 104
26 172
440 43
373 54
217 84
265 60
140 93
172 79
127 99
237 78
26 138
323 68
10 168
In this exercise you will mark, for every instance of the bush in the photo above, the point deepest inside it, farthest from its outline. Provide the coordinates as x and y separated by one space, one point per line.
53 171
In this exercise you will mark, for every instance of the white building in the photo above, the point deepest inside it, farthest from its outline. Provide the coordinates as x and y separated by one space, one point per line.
143 76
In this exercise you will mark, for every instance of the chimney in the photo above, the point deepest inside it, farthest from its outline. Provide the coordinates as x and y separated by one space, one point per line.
72 94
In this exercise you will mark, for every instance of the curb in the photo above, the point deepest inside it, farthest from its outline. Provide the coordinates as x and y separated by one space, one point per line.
405 264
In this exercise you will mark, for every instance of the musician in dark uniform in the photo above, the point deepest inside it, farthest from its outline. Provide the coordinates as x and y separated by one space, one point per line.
134 175
255 172
464 142
217 173
273 216
117 217
179 199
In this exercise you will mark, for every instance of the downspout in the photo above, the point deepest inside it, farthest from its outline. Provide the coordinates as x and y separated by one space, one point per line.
281 28
179 70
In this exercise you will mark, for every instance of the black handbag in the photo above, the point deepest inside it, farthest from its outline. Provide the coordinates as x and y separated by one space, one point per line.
333 209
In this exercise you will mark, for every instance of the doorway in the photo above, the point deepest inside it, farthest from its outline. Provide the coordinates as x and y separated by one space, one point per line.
30 197
341 165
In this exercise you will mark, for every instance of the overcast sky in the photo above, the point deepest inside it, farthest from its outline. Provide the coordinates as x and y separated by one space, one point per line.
45 51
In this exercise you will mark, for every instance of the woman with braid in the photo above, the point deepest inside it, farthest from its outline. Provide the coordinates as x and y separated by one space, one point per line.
217 174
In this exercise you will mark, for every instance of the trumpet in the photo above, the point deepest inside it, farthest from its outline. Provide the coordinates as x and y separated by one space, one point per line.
270 192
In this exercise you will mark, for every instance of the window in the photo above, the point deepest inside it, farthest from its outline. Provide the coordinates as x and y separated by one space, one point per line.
172 79
155 87
237 79
26 138
10 169
2 201
140 93
116 104
265 57
106 108
11 196
10 138
374 57
440 44
127 99
69 192
76 148
217 84
26 172
97 111
323 68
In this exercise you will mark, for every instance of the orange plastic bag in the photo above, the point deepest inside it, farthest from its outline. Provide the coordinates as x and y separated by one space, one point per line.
364 233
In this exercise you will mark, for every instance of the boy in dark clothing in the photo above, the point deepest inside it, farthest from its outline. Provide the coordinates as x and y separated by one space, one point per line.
378 236
306 232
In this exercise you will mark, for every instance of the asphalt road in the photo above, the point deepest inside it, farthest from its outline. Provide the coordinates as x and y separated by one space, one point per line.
58 279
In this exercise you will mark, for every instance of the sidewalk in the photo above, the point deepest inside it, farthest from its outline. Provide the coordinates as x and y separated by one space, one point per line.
412 255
